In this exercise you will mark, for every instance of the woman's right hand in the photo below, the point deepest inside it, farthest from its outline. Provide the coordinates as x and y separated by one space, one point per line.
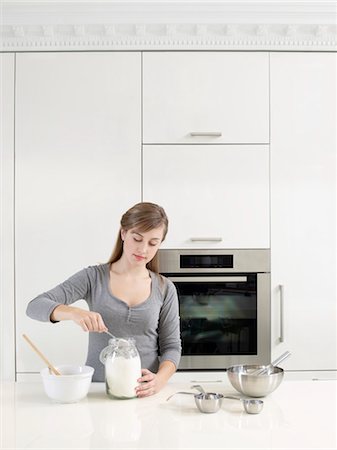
87 320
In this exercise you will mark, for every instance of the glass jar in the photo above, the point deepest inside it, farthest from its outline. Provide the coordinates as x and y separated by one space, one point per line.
122 367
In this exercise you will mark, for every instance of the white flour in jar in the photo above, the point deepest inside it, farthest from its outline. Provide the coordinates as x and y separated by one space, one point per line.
121 376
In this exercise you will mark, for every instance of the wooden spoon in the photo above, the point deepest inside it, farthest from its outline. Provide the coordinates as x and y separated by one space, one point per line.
49 364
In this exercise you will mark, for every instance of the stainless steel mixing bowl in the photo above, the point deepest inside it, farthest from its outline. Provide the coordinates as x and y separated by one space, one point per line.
254 385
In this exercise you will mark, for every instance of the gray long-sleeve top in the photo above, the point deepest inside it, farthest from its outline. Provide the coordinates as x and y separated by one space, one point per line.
154 324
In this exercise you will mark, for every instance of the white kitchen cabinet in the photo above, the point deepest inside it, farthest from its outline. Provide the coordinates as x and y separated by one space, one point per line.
215 196
7 310
224 95
78 147
303 207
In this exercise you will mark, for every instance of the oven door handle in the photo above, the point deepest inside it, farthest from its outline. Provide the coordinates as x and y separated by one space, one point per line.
238 279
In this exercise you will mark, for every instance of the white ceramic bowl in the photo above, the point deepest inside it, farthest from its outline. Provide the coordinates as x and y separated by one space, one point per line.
70 387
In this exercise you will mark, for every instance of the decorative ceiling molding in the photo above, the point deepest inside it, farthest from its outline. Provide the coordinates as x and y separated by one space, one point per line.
54 26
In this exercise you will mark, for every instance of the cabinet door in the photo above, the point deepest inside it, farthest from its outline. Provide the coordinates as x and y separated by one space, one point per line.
226 93
7 93
303 199
215 196
77 171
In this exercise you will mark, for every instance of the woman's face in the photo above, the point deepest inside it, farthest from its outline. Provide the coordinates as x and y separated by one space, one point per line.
141 246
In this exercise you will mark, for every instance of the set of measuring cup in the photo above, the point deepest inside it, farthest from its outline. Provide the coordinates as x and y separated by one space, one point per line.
210 402
254 381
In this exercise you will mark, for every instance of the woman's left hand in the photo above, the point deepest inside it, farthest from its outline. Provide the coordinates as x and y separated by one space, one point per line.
149 384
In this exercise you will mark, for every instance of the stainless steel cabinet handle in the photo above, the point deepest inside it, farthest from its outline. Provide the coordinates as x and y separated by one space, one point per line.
212 239
206 133
235 279
281 287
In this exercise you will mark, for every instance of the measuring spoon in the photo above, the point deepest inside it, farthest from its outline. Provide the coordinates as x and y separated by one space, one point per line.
114 337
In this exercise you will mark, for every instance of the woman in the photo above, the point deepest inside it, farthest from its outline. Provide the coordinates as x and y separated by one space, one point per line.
126 296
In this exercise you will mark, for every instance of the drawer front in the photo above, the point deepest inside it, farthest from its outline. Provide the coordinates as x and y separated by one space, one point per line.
206 97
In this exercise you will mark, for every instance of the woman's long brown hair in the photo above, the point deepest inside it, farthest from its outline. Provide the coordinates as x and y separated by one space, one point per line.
142 217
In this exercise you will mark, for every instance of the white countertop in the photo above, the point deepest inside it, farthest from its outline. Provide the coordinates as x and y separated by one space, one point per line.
300 414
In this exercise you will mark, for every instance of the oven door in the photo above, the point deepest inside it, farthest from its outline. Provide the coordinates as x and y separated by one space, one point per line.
225 319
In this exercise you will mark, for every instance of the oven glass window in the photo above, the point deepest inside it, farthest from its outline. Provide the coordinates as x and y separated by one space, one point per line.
218 318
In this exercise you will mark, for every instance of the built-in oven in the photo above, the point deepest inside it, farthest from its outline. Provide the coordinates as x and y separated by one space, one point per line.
224 303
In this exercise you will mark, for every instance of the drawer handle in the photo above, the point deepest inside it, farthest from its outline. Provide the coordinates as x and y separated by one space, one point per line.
211 239
206 133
